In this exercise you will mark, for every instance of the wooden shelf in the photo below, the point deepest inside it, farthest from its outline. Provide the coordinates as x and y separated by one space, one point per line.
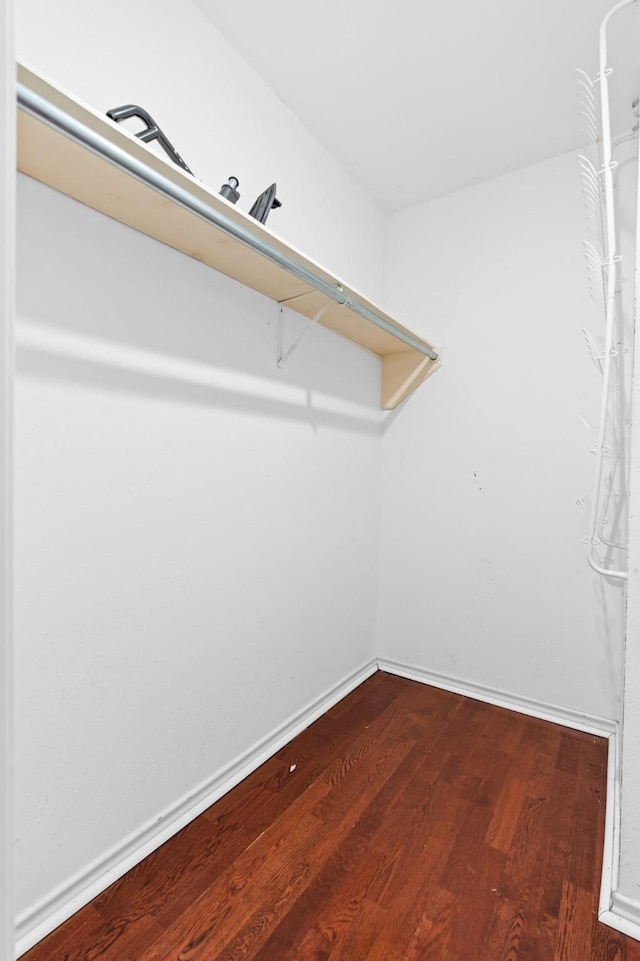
50 155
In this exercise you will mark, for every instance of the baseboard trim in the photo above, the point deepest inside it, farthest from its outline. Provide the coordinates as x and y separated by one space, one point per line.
579 721
624 915
616 910
48 914
618 923
611 849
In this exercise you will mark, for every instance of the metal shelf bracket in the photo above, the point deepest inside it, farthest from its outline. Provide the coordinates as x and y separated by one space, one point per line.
283 354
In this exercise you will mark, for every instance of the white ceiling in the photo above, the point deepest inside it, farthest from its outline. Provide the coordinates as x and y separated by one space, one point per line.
417 100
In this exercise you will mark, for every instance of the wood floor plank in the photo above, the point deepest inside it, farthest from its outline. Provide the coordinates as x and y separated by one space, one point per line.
590 804
345 857
520 926
332 900
607 945
171 878
408 824
280 865
406 902
361 935
223 907
73 939
574 930
431 938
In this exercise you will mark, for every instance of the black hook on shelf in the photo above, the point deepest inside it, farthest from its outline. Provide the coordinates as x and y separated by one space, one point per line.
151 132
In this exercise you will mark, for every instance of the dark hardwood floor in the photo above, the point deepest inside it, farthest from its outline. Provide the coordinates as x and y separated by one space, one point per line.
416 825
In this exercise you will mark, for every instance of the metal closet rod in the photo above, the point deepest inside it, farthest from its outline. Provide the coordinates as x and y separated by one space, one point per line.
42 109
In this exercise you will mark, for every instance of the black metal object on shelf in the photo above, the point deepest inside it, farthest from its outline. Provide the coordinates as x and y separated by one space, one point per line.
266 202
151 132
230 190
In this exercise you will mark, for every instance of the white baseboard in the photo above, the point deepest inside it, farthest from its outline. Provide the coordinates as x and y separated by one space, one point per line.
615 910
624 915
48 914
579 721
611 850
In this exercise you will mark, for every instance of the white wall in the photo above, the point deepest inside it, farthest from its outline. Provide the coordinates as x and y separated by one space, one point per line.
483 573
7 308
196 531
629 880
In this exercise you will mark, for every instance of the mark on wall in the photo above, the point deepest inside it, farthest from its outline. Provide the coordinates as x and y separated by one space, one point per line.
582 506
477 481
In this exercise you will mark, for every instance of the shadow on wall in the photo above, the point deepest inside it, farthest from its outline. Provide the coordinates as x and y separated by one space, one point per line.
106 308
295 404
610 604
